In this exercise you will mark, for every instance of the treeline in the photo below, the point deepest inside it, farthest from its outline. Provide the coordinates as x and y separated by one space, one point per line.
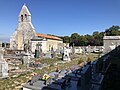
96 39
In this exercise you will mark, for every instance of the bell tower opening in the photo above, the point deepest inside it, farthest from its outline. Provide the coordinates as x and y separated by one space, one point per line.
21 18
26 16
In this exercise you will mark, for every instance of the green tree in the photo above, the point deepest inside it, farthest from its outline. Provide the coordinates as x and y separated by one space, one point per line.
75 36
66 39
113 31
83 41
75 39
95 39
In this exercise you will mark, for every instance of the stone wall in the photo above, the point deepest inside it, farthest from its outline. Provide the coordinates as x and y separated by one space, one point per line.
110 42
53 43
24 31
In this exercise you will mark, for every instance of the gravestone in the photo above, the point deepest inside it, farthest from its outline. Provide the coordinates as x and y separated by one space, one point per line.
97 77
3 65
95 70
34 79
36 53
52 52
38 50
26 60
78 50
88 49
95 67
105 63
62 73
73 48
94 49
48 55
65 55
86 77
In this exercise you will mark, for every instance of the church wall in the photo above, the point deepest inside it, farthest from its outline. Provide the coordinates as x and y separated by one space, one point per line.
53 43
43 47
20 41
47 45
24 31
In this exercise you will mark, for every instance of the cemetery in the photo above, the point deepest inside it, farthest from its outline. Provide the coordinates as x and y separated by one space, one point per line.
84 78
45 63
66 70
69 71
22 63
20 70
92 76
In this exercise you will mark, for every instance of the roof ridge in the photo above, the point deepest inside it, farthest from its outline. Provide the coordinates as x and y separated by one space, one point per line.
48 36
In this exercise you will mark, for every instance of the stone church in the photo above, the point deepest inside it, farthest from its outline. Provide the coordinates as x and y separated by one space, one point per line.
25 35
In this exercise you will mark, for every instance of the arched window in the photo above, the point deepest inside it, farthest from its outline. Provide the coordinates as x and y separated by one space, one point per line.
26 16
22 18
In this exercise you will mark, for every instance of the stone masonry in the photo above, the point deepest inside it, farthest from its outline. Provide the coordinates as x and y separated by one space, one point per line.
24 31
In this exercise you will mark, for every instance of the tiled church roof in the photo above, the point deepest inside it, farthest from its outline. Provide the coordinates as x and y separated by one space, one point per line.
48 36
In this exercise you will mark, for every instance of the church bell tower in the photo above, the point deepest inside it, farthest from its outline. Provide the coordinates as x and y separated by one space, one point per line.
24 15
24 31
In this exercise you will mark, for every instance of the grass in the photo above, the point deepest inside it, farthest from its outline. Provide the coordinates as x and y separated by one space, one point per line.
62 66
47 60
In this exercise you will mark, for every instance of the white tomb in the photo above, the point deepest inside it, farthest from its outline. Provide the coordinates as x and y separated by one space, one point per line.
66 55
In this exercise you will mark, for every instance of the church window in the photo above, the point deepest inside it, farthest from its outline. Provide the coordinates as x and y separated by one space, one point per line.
22 18
26 16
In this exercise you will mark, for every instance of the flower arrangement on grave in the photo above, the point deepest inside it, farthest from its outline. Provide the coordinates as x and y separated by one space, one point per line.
45 77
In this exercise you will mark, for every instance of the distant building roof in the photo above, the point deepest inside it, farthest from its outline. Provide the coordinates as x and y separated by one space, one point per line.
48 36
111 37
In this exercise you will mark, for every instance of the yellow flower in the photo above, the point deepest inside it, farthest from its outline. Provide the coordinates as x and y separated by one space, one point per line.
45 77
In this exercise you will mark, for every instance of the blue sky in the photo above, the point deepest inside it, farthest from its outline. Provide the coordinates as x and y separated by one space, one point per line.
61 17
